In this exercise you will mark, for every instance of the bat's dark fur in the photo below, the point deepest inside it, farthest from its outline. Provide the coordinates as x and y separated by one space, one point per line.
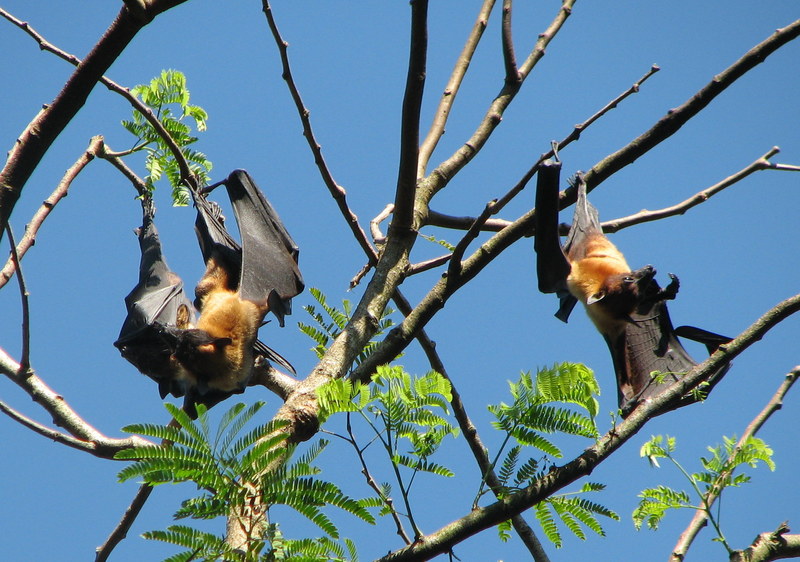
627 307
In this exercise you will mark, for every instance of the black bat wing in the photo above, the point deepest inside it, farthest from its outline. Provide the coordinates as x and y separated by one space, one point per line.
152 306
552 266
648 357
269 260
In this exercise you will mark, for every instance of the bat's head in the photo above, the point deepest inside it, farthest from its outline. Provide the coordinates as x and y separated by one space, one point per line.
620 294
200 352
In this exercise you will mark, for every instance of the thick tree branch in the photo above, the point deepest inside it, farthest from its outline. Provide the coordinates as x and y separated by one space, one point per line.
403 218
451 89
37 137
676 118
485 517
774 545
701 517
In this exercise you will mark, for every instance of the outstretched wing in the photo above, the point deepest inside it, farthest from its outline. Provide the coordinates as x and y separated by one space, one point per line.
158 301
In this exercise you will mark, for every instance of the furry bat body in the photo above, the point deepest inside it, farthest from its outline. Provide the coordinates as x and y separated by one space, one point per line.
627 307
213 358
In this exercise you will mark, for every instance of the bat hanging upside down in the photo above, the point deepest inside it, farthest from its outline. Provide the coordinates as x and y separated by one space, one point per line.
626 306
212 358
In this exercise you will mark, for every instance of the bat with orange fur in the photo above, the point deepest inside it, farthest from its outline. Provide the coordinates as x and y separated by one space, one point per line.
627 306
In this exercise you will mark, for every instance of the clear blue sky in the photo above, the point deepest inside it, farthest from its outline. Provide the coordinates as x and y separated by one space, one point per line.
736 255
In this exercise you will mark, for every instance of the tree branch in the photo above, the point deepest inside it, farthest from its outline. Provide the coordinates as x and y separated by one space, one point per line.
761 163
147 113
676 118
337 191
701 517
510 61
482 518
403 218
37 137
32 228
88 439
443 173
774 545
451 89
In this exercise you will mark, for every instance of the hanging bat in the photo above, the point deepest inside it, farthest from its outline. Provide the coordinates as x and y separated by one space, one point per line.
627 307
157 301
213 358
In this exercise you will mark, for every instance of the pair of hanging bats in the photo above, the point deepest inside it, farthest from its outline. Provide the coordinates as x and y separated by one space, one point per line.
206 350
627 307
210 357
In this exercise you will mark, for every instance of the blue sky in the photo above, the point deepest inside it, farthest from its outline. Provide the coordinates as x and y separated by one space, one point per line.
736 255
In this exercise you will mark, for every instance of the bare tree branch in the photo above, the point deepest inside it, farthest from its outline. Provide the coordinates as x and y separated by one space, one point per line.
676 118
147 113
37 137
451 89
701 516
403 219
121 530
761 163
774 545
443 173
510 61
482 518
25 361
32 228
337 191
89 439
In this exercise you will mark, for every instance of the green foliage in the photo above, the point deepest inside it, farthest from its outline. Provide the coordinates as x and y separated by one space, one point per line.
406 415
226 467
718 474
575 513
168 97
536 410
327 330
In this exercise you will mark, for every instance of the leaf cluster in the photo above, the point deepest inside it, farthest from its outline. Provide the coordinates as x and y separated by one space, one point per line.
717 475
168 97
326 330
231 468
537 409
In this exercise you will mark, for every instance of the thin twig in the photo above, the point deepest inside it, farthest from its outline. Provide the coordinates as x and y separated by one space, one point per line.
573 136
470 433
451 89
761 163
374 485
701 516
32 228
426 265
121 530
458 253
25 361
337 191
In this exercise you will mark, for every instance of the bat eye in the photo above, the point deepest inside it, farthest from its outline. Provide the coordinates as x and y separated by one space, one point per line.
628 279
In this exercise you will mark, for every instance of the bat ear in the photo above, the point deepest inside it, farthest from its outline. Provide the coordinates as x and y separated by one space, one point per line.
183 317
598 296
